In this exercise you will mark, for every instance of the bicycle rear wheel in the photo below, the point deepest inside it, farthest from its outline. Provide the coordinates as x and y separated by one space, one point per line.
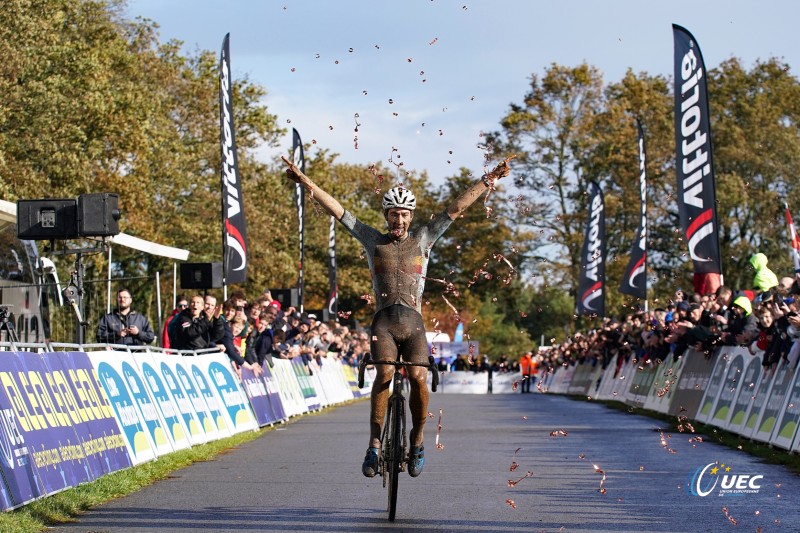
394 450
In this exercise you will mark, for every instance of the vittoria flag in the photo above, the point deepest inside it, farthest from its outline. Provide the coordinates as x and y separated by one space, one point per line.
634 281
234 229
694 165
592 276
298 158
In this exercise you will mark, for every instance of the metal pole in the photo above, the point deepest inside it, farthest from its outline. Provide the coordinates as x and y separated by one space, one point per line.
158 300
108 283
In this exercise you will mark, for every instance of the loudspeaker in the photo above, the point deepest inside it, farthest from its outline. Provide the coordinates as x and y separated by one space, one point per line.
287 297
98 214
201 275
48 219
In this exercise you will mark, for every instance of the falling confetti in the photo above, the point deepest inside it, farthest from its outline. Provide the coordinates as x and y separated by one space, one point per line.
598 470
439 445
512 483
728 516
558 433
514 464
511 503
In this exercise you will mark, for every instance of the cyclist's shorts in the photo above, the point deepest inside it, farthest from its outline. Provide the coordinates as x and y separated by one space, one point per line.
398 329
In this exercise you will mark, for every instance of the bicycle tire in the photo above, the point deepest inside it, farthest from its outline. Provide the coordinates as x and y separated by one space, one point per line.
395 453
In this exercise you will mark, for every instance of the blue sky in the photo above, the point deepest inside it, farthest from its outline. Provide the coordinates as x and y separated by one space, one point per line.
426 77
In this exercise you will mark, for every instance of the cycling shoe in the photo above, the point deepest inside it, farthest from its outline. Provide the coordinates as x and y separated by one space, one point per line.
416 460
370 466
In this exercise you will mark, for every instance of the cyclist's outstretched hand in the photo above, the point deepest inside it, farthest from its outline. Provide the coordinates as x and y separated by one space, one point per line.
502 170
292 172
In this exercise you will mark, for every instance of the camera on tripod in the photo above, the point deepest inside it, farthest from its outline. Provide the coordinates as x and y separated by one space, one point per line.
7 325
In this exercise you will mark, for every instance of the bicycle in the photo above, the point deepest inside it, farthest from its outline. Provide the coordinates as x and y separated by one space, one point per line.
394 446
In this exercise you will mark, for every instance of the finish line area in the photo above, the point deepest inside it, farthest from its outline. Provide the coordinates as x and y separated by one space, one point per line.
593 469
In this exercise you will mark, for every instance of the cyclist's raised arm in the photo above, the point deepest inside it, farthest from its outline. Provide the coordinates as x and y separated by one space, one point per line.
328 202
478 188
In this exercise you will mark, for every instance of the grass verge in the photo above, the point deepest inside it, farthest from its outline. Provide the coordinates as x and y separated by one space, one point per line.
765 452
65 505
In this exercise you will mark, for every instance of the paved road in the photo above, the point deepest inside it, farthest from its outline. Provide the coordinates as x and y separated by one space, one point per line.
306 477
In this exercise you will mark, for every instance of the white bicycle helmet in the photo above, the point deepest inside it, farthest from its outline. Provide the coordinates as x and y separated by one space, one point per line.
399 197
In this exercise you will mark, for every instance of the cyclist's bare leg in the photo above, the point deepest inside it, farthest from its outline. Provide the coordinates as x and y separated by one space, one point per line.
378 402
418 402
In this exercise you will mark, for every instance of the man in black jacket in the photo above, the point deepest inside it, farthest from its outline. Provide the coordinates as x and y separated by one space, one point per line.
124 325
200 326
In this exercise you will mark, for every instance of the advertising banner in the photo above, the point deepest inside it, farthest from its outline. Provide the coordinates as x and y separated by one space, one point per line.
634 280
712 390
256 390
204 416
306 387
503 383
288 388
592 274
692 384
74 376
176 429
190 418
224 384
234 227
781 384
789 416
730 386
463 383
273 393
744 398
129 418
694 166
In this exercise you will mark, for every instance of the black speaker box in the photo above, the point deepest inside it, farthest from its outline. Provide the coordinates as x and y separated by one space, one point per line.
48 219
201 275
287 297
98 214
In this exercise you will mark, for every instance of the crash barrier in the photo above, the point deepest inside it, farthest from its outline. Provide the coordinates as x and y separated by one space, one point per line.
69 417
729 390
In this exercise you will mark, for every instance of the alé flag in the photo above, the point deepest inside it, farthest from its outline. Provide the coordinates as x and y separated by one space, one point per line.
693 163
634 281
795 240
592 276
333 300
298 158
234 229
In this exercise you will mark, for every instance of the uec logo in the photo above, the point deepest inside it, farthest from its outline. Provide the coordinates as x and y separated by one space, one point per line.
702 485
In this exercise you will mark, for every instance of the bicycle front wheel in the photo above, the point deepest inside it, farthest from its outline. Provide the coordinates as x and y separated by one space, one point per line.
394 450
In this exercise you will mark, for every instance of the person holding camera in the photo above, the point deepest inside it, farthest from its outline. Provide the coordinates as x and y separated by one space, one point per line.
124 325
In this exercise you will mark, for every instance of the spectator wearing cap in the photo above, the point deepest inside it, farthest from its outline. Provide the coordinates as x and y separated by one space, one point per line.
743 326
295 327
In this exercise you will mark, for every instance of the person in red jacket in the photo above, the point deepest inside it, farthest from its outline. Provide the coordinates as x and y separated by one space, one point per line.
182 304
526 368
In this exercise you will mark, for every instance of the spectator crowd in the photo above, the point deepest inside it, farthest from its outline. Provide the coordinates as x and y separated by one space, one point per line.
764 318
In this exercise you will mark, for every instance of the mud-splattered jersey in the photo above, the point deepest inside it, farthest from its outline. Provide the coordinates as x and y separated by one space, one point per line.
398 268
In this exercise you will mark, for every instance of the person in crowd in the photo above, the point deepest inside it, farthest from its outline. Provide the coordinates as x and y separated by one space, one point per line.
525 366
398 261
764 278
201 325
183 303
743 327
124 325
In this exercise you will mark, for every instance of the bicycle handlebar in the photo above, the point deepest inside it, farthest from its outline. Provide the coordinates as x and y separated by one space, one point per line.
430 365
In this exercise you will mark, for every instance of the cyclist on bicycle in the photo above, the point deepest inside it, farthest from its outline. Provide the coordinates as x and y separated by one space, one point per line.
398 262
